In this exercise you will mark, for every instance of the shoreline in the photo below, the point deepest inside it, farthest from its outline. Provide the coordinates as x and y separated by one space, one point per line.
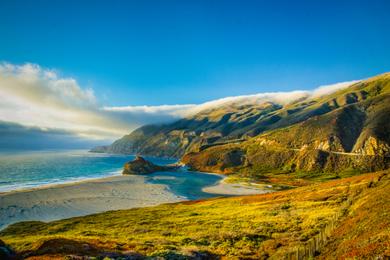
221 187
89 196
62 201
59 184
235 189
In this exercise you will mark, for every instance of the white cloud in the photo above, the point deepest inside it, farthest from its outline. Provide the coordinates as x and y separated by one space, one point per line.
31 82
169 110
33 96
275 97
281 98
328 89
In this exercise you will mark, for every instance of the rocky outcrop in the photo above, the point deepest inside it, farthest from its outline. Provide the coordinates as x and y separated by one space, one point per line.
141 166
373 146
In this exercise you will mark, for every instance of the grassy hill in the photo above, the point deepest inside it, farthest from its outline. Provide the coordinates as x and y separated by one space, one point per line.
346 218
318 144
347 131
310 134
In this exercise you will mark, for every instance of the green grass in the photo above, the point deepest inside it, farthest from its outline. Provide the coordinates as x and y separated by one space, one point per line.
245 227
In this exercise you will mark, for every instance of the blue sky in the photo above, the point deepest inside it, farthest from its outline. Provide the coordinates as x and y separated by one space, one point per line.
180 52
96 70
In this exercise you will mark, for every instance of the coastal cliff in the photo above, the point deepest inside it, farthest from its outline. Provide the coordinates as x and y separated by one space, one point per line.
348 130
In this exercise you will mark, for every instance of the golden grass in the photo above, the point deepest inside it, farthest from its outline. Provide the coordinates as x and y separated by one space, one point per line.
252 227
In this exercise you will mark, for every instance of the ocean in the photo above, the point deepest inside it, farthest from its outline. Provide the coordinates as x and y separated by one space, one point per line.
24 170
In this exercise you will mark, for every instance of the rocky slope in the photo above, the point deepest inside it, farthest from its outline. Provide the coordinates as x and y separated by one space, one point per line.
347 129
353 135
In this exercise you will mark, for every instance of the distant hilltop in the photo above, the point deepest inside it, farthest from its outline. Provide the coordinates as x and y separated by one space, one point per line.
348 129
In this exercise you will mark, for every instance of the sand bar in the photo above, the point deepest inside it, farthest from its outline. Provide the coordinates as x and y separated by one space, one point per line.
224 188
59 201
81 198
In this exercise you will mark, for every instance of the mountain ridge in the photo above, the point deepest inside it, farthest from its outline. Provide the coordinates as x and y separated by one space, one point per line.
351 120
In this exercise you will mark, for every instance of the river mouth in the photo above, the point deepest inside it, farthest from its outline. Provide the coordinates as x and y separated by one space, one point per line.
185 183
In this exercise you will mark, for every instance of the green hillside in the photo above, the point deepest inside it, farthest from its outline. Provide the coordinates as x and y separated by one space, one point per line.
347 218
321 146
350 137
346 131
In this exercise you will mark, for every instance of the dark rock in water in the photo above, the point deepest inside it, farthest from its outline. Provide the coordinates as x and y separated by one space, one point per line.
6 252
141 166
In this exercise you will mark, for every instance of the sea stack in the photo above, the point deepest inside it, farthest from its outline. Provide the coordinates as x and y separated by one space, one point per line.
140 166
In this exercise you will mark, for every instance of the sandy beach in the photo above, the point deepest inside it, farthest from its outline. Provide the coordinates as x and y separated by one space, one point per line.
225 188
93 196
81 198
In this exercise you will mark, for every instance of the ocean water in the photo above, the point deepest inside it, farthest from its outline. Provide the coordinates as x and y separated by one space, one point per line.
23 170
186 184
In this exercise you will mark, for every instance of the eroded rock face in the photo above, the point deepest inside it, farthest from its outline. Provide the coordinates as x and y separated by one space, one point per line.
142 166
372 146
265 159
